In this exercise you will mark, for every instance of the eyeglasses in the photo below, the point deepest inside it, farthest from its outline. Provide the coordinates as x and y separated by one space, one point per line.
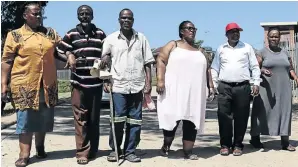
128 18
190 28
36 14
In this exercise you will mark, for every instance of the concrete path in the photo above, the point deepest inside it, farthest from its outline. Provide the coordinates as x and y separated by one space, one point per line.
60 145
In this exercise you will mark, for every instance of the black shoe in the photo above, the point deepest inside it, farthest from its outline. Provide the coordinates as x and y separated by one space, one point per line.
132 158
256 143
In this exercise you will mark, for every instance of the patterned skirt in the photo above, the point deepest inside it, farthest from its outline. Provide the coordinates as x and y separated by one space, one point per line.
29 120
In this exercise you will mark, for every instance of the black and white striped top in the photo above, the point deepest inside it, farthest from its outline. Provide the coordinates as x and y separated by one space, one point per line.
86 47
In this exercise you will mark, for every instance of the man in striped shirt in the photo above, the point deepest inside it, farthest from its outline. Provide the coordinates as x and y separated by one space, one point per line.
82 45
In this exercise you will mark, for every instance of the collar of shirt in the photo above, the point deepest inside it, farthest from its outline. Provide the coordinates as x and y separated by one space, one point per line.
81 30
26 30
239 45
134 35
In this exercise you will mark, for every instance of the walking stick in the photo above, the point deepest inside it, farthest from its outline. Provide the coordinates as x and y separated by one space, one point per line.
113 123
106 75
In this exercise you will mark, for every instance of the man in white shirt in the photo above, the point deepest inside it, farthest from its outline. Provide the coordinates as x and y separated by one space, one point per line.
230 70
131 58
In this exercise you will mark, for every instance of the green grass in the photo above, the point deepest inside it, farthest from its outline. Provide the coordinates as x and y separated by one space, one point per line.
154 81
63 86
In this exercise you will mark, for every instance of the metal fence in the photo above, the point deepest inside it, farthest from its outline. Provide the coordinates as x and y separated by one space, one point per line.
291 45
63 74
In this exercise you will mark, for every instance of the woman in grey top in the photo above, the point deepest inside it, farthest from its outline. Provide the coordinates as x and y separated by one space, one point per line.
272 109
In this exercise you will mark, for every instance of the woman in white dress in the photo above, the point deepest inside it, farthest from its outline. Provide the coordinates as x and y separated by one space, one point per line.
182 86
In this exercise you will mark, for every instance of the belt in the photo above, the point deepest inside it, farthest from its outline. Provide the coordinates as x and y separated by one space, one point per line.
236 83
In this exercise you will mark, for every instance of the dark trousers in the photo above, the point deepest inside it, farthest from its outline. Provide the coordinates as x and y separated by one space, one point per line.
2 107
86 105
233 104
189 131
127 110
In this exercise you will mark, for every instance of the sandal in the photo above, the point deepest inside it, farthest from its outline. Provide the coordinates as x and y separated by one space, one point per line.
237 151
224 151
191 156
164 151
82 161
132 158
289 148
112 157
22 162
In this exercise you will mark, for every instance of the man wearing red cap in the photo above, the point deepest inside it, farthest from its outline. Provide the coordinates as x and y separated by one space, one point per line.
232 66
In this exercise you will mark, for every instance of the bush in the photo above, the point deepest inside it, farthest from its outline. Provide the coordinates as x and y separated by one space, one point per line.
63 86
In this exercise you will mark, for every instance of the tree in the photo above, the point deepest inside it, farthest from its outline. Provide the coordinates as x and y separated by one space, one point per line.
12 16
198 43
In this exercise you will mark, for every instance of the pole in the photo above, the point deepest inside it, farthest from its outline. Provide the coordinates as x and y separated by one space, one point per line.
113 123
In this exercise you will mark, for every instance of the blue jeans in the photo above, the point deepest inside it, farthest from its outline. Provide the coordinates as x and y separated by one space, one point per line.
127 110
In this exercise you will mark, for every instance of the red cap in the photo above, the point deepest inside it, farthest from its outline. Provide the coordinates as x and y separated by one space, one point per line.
233 26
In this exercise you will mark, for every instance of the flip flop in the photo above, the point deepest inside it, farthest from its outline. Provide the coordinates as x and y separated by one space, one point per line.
237 152
164 151
82 161
22 162
289 148
191 156
112 157
224 151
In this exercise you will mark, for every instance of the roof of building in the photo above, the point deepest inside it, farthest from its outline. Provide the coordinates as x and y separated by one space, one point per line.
269 24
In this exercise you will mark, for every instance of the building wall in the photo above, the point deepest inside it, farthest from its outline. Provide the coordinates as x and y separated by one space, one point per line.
292 34
287 34
60 65
265 36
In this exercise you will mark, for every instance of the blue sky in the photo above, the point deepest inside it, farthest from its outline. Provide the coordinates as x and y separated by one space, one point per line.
159 21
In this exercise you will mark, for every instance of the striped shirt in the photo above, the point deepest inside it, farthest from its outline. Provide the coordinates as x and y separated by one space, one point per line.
86 48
